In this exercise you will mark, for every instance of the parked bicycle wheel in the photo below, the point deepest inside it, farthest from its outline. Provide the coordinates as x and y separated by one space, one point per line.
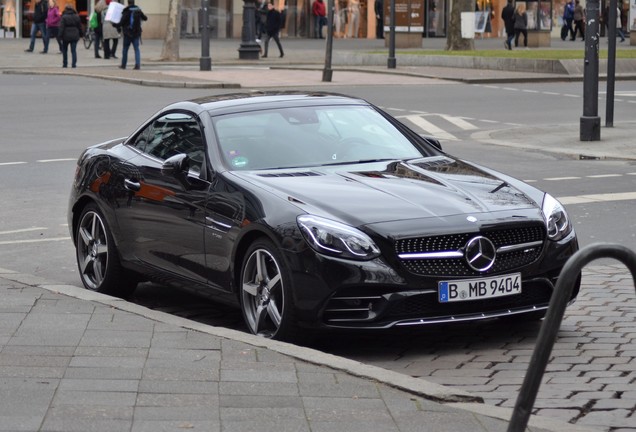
88 39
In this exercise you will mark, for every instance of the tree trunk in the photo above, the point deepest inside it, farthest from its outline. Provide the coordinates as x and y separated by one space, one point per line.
454 40
170 49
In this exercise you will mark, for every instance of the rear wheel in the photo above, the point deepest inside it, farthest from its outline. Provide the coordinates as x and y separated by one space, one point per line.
266 298
97 256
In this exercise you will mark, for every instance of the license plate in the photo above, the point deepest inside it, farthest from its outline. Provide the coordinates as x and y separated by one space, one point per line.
479 289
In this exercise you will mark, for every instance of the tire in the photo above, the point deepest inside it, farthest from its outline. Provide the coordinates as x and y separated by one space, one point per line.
266 293
88 40
97 256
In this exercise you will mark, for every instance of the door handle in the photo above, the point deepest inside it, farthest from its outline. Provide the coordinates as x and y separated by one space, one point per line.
132 185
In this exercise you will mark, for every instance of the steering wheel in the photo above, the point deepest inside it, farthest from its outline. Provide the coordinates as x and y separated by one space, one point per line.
354 148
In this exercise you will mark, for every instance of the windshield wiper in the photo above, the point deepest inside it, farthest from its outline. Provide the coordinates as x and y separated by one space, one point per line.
360 161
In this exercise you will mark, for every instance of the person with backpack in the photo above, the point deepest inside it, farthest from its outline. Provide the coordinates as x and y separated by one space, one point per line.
130 25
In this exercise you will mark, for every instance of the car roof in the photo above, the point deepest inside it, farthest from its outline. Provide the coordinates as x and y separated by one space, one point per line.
232 102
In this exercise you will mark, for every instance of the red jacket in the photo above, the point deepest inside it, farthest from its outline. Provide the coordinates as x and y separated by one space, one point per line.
319 8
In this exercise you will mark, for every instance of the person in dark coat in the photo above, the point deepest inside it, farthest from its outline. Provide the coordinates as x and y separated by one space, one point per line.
70 32
521 24
274 24
40 11
379 19
130 24
508 17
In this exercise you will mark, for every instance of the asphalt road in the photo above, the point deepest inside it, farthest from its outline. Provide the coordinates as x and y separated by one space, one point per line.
51 119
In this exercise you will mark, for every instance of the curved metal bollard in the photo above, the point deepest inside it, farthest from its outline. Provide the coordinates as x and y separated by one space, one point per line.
552 322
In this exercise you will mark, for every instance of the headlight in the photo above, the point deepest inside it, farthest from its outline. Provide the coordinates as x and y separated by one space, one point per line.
556 218
333 238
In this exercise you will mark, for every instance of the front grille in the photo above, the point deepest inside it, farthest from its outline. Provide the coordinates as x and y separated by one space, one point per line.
457 266
381 306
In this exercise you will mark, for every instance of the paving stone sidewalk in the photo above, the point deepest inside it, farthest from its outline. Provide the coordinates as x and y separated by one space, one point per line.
73 360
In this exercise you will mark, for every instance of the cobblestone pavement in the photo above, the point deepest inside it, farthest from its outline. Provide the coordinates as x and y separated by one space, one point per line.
591 377
590 380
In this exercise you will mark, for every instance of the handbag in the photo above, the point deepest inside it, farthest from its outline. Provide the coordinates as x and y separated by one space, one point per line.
93 22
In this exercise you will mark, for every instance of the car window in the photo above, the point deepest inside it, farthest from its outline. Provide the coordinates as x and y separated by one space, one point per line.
309 136
173 134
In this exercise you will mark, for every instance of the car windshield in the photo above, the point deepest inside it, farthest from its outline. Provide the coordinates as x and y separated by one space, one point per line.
309 137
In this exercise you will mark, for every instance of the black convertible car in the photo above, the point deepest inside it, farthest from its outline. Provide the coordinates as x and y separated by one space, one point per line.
313 211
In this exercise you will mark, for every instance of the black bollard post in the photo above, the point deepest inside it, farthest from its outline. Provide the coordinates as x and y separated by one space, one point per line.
205 62
249 49
590 127
611 64
327 72
391 61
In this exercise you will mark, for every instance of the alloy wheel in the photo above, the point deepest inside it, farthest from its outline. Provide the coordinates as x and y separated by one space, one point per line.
92 250
262 293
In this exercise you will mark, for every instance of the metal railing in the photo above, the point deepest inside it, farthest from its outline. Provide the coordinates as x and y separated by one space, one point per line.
552 322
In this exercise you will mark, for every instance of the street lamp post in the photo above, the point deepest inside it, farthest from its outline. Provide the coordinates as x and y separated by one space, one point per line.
205 62
249 49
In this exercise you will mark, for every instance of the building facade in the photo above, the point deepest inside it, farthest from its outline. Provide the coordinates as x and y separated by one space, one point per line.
352 18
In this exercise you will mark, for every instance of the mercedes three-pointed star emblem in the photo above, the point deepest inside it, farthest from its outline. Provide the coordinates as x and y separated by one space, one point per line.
480 253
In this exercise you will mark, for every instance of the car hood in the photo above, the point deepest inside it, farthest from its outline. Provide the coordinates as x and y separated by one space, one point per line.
380 192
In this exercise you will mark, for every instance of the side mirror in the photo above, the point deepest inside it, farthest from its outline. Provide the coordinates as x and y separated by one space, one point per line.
178 166
432 141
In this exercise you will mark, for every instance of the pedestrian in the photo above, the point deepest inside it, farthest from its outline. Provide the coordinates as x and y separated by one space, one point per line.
130 25
70 32
579 20
40 11
619 25
53 18
508 17
100 10
110 34
274 24
568 17
261 18
521 25
319 11
379 19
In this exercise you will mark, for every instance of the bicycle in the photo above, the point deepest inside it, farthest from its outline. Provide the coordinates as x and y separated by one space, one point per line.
89 37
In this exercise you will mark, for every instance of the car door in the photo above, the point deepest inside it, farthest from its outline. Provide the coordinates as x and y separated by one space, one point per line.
164 217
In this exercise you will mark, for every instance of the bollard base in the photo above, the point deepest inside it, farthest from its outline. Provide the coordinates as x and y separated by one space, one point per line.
249 51
391 63
590 128
205 63
326 75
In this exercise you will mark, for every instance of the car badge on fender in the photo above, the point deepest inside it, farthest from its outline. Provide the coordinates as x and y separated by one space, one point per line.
480 253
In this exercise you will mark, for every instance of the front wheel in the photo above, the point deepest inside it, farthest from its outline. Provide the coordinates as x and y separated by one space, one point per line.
97 256
266 298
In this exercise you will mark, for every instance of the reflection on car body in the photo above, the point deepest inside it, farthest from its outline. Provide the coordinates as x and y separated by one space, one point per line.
313 211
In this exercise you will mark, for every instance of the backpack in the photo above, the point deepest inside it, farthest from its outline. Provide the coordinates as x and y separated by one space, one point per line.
132 25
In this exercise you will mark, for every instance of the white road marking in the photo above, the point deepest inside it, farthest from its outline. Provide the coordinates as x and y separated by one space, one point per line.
604 175
23 230
430 128
597 198
56 160
12 163
9 242
459 122
561 178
